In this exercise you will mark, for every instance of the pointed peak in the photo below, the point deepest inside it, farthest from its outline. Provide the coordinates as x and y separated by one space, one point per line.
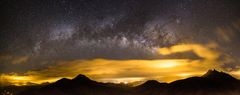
212 71
214 74
81 77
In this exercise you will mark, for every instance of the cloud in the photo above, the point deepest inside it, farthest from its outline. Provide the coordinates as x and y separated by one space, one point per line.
19 60
13 59
228 33
202 51
223 34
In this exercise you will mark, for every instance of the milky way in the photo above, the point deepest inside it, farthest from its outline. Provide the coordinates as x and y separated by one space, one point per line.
36 34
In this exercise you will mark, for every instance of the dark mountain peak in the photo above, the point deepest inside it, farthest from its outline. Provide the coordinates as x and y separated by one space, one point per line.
82 78
212 71
218 75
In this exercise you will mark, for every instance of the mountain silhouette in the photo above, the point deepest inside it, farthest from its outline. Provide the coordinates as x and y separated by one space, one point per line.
80 85
78 81
211 83
82 78
219 76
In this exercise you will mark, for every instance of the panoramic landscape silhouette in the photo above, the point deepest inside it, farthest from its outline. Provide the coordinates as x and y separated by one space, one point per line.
119 47
211 83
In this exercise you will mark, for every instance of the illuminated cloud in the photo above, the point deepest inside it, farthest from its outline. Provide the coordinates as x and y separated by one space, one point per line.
15 79
202 51
26 79
106 70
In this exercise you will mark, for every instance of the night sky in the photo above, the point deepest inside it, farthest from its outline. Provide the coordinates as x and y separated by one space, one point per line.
117 40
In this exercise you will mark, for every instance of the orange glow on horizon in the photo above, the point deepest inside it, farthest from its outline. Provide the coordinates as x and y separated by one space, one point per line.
108 70
116 71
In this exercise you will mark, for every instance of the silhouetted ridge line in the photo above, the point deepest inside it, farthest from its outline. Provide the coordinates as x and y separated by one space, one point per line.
211 83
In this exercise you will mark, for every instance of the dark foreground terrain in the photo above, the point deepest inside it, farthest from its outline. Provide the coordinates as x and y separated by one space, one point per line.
211 83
